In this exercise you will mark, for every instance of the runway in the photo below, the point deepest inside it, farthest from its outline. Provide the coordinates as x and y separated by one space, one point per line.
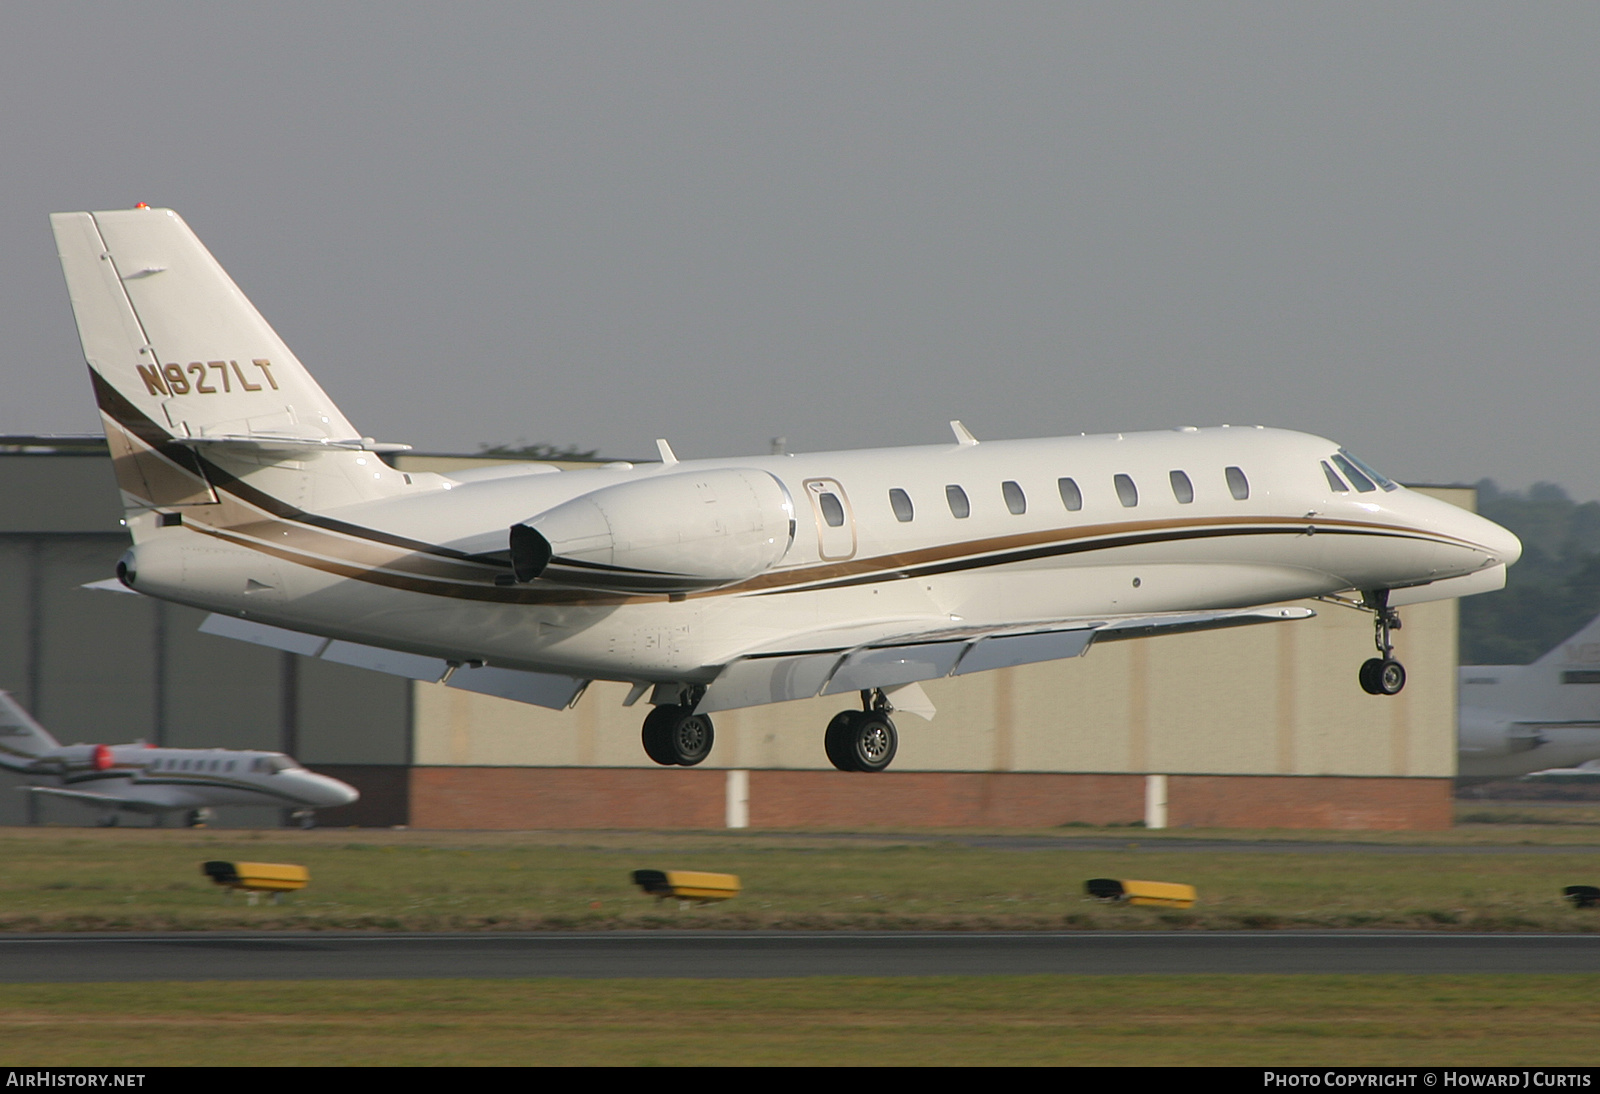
706 954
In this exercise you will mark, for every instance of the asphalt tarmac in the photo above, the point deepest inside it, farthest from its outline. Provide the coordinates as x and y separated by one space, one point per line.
88 958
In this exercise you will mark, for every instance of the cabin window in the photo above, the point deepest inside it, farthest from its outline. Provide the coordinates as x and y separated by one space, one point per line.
1071 496
1182 488
1334 481
900 502
960 508
832 511
1580 676
1127 493
1016 500
1238 485
1357 479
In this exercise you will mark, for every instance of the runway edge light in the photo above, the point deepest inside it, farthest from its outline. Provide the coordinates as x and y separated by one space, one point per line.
687 884
258 877
1582 896
1157 894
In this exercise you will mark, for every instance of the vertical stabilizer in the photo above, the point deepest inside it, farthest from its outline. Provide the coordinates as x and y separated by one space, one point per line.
21 738
194 388
1580 653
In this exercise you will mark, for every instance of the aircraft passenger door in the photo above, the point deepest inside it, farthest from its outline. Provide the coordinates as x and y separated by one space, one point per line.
836 521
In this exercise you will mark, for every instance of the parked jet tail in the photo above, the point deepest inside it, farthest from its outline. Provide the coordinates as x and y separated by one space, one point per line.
195 390
21 738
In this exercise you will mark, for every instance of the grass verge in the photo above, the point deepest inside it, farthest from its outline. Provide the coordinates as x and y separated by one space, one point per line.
1141 1020
87 879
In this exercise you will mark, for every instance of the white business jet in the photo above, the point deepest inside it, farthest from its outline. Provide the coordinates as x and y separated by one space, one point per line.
706 584
140 778
1541 719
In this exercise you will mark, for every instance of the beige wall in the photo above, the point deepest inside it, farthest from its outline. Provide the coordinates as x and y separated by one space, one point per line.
1275 699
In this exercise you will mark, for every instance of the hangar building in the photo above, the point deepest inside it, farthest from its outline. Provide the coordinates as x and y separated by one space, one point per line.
1256 727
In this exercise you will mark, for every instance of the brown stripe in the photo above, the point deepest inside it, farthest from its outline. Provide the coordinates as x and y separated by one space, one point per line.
319 542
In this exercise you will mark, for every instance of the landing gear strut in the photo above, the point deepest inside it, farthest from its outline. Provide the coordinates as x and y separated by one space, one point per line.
675 736
865 739
1382 675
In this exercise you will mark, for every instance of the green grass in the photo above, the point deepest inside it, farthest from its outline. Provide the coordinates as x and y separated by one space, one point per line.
58 879
1138 1020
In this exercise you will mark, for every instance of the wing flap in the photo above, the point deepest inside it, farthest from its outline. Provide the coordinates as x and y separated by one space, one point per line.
777 676
544 689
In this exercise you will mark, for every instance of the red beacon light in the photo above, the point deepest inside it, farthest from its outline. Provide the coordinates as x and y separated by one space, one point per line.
103 758
142 205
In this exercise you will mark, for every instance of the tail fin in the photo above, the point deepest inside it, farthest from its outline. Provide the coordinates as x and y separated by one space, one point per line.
21 738
1580 653
185 368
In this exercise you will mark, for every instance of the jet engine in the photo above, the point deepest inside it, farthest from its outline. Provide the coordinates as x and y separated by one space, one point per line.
673 533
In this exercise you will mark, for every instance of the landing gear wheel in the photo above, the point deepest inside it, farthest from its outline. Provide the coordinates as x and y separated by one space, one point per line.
657 727
875 743
1383 676
836 741
676 736
861 740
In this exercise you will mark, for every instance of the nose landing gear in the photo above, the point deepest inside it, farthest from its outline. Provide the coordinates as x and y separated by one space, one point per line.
863 740
1382 675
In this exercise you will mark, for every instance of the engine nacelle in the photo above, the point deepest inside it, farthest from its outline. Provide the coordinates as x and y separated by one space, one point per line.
674 533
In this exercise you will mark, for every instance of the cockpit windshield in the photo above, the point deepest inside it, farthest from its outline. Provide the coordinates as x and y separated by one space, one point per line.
272 764
1361 474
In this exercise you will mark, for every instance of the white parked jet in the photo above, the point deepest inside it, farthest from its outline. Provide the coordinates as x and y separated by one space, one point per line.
709 584
1530 719
138 778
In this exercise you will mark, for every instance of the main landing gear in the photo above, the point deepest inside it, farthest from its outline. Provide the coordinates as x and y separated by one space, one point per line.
865 739
1382 675
675 736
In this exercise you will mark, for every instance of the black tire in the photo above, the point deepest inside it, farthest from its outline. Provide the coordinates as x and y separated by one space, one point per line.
837 741
1391 677
874 743
656 735
691 738
1369 676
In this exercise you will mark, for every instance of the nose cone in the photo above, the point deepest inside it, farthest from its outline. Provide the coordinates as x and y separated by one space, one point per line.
1498 541
325 793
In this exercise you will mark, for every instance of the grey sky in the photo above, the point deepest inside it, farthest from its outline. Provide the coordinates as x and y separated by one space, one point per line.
848 223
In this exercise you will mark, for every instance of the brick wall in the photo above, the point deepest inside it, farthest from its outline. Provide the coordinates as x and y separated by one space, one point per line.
575 797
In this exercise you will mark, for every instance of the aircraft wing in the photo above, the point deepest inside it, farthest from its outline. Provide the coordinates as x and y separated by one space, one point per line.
1584 772
815 667
542 689
822 663
75 795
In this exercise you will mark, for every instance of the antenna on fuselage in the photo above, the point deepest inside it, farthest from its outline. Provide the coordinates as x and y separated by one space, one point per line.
964 435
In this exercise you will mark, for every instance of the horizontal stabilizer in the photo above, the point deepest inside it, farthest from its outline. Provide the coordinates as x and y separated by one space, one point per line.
109 585
289 446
